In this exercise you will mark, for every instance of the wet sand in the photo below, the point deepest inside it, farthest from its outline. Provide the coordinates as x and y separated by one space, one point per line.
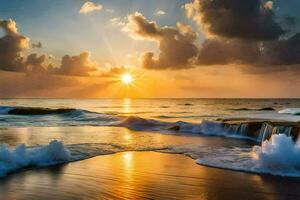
143 175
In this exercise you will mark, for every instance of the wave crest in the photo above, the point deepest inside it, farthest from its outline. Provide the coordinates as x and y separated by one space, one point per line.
138 123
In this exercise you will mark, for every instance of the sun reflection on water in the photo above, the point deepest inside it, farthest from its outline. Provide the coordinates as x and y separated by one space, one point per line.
127 105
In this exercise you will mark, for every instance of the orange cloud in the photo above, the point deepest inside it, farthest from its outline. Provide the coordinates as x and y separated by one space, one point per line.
89 6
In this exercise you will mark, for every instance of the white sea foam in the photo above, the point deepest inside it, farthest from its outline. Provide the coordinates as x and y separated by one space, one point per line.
22 157
291 111
277 156
279 153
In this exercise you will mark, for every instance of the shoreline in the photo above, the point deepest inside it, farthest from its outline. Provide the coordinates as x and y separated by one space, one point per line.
159 151
144 175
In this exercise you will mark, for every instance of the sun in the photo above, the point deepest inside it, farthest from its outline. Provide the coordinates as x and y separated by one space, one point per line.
126 79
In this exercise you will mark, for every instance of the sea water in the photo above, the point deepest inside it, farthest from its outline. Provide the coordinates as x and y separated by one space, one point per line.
256 133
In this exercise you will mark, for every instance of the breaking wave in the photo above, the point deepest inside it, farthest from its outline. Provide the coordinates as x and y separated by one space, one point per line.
22 157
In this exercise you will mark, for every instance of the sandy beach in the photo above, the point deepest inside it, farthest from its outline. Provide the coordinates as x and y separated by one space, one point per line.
143 175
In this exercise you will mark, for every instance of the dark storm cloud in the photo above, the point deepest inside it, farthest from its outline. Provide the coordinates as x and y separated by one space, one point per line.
176 45
245 32
238 19
254 53
220 51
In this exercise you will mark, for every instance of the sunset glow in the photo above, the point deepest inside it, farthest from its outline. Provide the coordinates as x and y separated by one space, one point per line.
129 91
127 79
161 49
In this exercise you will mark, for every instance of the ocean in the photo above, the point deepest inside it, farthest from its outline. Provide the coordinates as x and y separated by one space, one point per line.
250 135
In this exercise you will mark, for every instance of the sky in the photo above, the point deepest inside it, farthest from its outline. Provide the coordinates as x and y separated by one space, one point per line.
170 48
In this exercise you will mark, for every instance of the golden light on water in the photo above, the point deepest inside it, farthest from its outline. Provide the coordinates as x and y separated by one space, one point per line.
127 79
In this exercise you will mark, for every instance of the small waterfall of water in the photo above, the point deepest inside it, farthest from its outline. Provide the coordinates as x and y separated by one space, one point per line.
268 130
265 132
237 129
254 130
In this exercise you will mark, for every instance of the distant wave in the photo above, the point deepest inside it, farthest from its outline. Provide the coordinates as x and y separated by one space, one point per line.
183 116
257 130
33 111
186 104
138 123
255 109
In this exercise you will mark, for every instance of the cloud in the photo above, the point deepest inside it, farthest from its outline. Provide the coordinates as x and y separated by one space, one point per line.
109 10
269 5
11 46
118 70
159 13
189 9
235 19
76 65
37 45
140 28
115 71
89 6
117 21
176 44
243 33
35 63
